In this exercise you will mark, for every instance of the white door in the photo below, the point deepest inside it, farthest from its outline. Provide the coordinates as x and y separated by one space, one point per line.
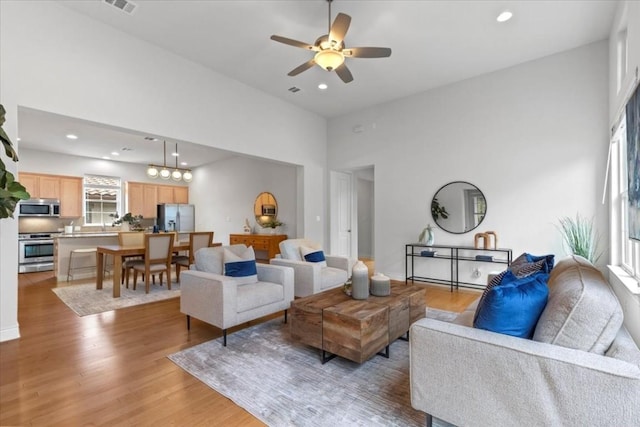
341 213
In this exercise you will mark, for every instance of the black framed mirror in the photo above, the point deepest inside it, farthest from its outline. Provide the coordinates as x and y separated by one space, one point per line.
265 208
458 207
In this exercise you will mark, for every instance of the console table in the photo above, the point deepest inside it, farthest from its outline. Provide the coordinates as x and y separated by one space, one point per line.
260 242
454 255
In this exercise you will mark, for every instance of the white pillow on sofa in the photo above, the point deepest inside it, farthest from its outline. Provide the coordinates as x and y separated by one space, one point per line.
241 267
313 255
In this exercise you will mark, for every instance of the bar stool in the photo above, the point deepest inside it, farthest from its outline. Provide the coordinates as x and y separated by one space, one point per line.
79 252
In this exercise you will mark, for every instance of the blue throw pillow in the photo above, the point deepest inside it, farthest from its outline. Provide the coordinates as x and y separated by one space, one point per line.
514 306
313 255
242 267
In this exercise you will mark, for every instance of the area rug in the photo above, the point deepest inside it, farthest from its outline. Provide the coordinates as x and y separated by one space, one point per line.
85 299
283 383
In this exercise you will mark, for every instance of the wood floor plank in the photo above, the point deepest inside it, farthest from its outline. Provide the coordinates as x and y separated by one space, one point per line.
112 368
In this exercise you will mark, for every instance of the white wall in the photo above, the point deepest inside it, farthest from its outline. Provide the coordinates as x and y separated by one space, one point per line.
229 189
532 137
55 60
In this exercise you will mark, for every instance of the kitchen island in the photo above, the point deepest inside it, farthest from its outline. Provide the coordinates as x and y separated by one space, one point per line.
65 243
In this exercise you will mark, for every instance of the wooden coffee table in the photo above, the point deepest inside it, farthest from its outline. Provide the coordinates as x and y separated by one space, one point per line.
355 329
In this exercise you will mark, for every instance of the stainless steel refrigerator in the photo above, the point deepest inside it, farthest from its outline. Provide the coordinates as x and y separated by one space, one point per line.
175 217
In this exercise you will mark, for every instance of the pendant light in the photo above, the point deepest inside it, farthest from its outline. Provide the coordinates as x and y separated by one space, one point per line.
177 174
164 173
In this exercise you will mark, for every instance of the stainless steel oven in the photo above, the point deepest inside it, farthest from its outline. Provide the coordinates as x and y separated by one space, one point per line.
35 252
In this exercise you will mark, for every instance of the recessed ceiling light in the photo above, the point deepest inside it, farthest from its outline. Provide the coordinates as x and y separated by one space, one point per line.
174 154
322 86
184 163
150 138
504 16
115 153
71 136
106 157
18 139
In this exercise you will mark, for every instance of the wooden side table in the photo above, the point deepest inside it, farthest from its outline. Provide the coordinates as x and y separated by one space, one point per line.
270 243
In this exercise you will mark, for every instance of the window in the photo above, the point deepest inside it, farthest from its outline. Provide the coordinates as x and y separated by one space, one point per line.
101 199
625 251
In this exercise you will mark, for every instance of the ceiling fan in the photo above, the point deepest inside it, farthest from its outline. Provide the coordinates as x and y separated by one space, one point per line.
331 51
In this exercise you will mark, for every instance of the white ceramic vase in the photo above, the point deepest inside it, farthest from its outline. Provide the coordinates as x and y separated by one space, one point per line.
360 281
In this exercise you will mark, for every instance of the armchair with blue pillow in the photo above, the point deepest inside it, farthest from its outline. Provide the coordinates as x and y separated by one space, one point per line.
543 346
314 271
226 287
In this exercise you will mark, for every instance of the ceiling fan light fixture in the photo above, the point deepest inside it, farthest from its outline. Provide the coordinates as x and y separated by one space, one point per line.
329 59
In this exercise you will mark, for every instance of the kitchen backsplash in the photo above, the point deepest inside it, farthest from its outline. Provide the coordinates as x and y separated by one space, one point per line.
43 225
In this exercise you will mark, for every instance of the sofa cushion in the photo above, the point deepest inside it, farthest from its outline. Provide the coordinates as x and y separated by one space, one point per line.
330 277
258 294
523 266
514 306
290 248
313 255
241 266
210 260
583 313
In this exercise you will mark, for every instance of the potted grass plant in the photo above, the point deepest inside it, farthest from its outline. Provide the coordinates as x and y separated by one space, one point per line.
580 237
11 191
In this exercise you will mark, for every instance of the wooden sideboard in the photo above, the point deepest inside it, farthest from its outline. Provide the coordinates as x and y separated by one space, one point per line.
260 242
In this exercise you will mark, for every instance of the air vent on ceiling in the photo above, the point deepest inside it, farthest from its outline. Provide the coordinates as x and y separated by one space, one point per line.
293 89
124 5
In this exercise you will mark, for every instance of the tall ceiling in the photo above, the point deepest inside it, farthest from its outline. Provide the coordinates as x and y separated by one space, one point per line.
433 43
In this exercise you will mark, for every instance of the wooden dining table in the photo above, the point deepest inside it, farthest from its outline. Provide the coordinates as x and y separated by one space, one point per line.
119 252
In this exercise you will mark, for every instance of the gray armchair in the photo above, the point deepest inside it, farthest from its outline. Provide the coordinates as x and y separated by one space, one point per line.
223 301
312 277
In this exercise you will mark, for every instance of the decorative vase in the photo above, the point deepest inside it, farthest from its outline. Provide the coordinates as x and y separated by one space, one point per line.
427 236
430 236
380 285
360 281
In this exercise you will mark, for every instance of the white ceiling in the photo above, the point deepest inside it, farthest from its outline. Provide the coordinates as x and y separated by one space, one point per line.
434 43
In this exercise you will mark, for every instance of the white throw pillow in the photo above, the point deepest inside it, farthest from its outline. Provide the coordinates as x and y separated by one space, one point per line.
241 267
313 255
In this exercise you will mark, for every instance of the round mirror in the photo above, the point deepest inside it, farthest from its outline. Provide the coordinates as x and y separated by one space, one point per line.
265 208
458 207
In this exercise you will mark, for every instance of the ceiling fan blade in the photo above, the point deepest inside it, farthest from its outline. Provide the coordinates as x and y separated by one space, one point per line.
339 28
295 43
343 72
301 68
367 52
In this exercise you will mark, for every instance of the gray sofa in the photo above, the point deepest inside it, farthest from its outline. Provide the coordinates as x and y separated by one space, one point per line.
581 367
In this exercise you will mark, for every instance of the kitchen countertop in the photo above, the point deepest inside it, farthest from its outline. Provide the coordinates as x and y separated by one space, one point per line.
88 234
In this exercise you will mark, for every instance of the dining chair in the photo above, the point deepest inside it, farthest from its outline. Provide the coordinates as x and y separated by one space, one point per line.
197 240
158 250
129 238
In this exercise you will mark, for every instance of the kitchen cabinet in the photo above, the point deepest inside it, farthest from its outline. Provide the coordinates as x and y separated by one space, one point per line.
70 197
40 186
67 189
142 199
173 194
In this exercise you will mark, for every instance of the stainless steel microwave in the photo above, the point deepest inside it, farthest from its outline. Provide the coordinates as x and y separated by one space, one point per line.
39 207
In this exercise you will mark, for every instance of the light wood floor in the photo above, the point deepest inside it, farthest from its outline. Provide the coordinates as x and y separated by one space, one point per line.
111 368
